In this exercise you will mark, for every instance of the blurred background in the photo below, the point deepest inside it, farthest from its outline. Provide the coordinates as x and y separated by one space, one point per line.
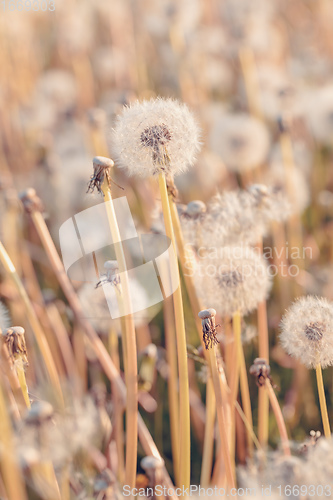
264 68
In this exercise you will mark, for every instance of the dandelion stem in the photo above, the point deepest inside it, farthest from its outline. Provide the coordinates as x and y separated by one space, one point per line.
13 378
131 373
35 325
322 401
249 70
263 402
23 382
184 401
118 409
207 456
171 352
244 384
10 471
278 415
211 360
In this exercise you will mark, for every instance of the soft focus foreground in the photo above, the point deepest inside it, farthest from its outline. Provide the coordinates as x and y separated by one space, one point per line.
166 249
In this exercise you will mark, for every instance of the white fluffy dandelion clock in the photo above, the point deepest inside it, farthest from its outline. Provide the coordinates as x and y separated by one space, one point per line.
307 335
241 141
236 279
307 331
159 135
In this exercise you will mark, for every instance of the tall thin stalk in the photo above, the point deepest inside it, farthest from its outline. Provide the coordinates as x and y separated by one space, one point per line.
244 384
171 353
322 401
131 372
184 401
207 455
211 360
10 471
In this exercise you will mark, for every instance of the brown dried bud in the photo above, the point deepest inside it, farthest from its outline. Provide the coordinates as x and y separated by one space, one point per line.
261 370
15 342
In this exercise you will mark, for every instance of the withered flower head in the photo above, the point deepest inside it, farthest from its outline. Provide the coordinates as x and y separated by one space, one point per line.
15 341
207 317
102 167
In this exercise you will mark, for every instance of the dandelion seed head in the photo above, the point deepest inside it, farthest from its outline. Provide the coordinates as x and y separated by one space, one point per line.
307 331
297 194
237 279
159 135
320 114
241 141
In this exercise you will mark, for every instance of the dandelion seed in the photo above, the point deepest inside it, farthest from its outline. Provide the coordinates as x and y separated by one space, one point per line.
154 136
307 331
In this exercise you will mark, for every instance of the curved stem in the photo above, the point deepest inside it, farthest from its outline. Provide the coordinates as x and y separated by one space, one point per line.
279 418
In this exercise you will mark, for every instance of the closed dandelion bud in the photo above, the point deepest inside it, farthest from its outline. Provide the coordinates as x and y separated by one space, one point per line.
159 135
232 279
307 331
40 412
31 202
194 209
153 467
261 370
